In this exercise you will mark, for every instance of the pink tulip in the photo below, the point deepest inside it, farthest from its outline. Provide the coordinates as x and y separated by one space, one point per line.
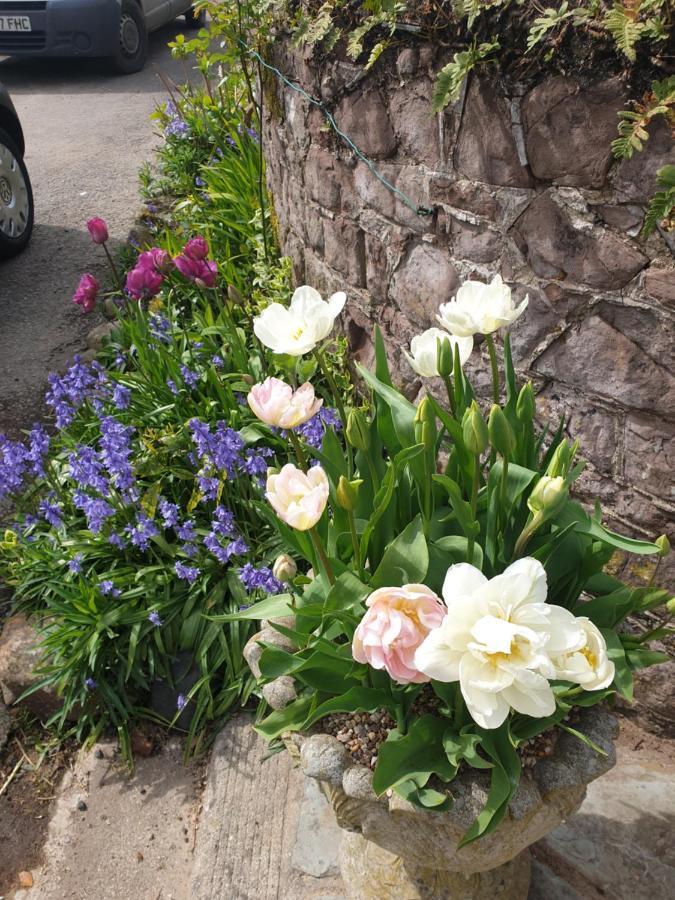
398 619
203 272
276 404
143 281
98 230
298 498
85 295
196 248
155 258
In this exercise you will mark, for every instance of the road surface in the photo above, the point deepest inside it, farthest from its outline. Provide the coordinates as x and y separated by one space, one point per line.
87 134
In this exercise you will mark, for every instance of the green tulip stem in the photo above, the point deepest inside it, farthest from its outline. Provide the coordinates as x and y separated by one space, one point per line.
299 452
321 553
338 402
493 365
355 541
474 504
505 475
116 275
451 395
534 523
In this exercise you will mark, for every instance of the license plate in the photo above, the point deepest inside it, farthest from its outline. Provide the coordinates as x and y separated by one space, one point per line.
15 23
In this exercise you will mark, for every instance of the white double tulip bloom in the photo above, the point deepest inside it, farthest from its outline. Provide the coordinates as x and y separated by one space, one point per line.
499 639
297 330
480 308
588 664
423 356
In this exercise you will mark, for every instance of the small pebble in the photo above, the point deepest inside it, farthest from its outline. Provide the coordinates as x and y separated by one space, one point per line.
81 806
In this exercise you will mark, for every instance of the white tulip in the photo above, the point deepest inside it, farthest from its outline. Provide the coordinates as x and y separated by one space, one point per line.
588 664
297 330
423 356
496 640
480 308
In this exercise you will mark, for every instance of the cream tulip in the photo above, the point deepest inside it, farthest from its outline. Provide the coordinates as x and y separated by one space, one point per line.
276 403
298 498
588 664
480 308
496 640
298 329
423 356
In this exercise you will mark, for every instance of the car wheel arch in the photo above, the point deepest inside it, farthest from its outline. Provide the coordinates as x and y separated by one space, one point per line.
11 124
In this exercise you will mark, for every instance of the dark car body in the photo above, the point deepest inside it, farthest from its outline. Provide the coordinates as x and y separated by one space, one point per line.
74 27
9 120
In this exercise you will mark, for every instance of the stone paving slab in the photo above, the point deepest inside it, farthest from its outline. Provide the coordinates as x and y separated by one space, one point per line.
262 835
116 837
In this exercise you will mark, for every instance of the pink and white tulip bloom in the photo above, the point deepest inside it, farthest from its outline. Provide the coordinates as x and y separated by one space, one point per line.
497 640
423 356
297 330
588 664
276 403
298 498
397 621
98 230
480 308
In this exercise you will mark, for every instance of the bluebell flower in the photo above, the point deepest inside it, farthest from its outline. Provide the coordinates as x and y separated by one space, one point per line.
160 328
121 396
90 684
52 512
141 533
75 564
108 589
190 378
171 384
95 510
260 579
186 531
217 361
117 541
116 451
312 431
13 465
181 702
200 182
186 573
38 446
154 619
86 469
189 550
169 513
223 521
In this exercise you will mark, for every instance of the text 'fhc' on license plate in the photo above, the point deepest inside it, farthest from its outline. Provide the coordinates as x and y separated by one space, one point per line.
15 23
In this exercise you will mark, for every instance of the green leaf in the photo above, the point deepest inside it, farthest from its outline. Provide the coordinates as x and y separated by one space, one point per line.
273 606
504 781
402 410
356 699
291 718
415 756
623 677
405 560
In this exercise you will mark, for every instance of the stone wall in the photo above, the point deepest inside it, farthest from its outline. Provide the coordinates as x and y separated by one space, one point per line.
520 181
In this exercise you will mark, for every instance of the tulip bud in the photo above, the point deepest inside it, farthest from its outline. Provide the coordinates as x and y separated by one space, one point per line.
526 404
474 430
562 459
547 495
249 379
98 230
445 359
233 294
284 568
358 432
501 434
347 493
670 606
663 544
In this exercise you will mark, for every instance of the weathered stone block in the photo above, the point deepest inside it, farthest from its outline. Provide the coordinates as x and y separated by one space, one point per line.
462 194
597 430
625 218
636 177
649 456
414 123
534 326
478 243
344 250
597 358
569 130
20 655
321 179
488 154
660 283
426 279
556 249
363 116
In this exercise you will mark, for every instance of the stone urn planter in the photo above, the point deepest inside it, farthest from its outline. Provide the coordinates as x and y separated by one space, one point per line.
394 851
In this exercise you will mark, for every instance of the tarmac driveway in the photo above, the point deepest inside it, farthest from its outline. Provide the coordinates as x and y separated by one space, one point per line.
87 134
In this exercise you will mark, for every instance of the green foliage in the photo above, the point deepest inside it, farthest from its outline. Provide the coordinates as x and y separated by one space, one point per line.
551 19
662 204
451 77
660 101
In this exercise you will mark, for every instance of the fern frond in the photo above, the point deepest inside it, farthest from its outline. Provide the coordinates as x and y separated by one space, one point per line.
622 23
449 80
661 209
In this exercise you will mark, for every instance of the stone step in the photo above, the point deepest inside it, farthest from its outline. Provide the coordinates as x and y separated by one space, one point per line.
265 832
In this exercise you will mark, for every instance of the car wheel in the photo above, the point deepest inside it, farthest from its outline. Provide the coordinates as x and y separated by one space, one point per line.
132 45
16 199
195 19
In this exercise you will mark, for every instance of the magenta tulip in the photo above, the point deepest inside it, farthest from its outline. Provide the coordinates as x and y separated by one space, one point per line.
143 281
203 272
155 258
86 293
98 230
196 248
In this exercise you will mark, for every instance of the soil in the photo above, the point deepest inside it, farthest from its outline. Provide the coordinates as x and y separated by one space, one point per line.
26 803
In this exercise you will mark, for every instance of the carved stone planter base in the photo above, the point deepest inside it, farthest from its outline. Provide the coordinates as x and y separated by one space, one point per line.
373 873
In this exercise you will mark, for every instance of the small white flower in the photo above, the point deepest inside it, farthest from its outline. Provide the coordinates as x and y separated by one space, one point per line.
480 308
496 640
297 330
588 664
423 356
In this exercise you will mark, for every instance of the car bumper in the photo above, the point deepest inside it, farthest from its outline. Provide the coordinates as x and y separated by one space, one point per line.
62 28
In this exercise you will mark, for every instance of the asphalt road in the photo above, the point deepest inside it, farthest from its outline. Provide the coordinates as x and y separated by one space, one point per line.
87 134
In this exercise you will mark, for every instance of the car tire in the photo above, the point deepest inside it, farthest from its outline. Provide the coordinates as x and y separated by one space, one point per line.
132 43
195 19
16 199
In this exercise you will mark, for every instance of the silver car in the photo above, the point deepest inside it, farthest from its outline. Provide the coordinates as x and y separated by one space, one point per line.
16 195
117 29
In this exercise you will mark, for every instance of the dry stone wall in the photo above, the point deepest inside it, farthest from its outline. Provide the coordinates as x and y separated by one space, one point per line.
519 181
